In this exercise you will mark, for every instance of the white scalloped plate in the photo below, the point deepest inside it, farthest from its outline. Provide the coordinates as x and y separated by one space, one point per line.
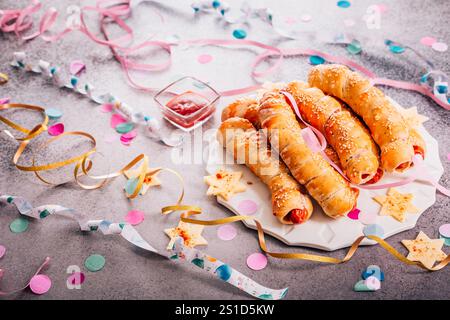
320 231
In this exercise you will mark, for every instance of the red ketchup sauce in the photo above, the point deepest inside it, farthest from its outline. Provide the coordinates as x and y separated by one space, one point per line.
189 108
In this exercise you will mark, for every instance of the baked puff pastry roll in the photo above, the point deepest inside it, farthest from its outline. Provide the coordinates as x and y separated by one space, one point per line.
240 139
352 142
326 185
387 125
247 108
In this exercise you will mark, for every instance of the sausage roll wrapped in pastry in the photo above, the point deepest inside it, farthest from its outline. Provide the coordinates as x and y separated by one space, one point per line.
247 108
387 125
326 185
352 142
240 139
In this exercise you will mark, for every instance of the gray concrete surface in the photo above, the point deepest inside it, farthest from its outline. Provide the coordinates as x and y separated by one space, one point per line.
131 274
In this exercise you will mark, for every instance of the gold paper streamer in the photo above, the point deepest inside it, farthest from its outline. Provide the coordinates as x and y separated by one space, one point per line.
82 162
193 210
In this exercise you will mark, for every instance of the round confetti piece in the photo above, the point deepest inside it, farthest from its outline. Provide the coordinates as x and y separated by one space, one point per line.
428 41
94 262
354 214
110 138
290 20
204 58
56 129
349 22
53 113
40 284
224 272
226 232
396 49
107 107
373 230
343 4
76 278
315 60
257 261
367 218
439 46
19 225
444 230
134 217
448 155
2 251
124 127
306 18
247 207
372 283
240 34
354 47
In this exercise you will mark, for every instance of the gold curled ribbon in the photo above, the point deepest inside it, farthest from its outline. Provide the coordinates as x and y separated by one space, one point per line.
82 162
193 210
3 78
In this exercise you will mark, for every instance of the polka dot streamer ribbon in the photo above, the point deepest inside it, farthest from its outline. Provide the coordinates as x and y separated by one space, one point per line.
117 11
178 254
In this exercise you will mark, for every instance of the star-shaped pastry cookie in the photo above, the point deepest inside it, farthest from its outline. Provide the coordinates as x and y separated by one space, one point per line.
224 184
150 181
413 118
425 250
191 234
396 204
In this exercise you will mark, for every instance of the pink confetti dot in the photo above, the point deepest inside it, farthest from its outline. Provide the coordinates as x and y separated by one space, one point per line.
40 284
382 7
106 107
134 217
226 232
448 156
56 129
2 251
110 138
290 20
204 58
117 119
246 207
76 67
257 261
444 230
428 41
439 46
76 278
354 214
367 218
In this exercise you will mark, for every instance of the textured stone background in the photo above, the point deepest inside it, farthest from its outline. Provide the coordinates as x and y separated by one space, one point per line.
131 274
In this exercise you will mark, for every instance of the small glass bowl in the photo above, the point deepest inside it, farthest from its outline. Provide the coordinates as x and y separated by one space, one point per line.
187 103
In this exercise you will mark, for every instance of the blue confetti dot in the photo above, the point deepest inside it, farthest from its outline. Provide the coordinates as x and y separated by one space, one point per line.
222 12
215 4
73 81
53 113
343 4
387 42
315 60
224 272
354 47
396 49
239 34
53 70
424 78
373 230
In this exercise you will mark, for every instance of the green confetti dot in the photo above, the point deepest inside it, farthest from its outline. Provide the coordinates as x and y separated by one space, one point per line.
53 113
10 199
396 49
315 60
19 225
44 214
124 127
354 47
95 262
93 228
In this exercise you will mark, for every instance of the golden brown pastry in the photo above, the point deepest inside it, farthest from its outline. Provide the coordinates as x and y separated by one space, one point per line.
326 185
387 126
240 139
352 142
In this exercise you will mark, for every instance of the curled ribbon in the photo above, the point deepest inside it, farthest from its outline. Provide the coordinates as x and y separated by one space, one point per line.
193 210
